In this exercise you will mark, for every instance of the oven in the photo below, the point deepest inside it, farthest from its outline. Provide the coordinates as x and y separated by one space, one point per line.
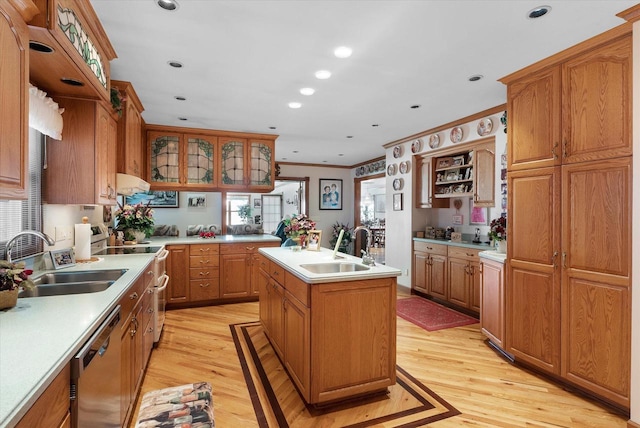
160 293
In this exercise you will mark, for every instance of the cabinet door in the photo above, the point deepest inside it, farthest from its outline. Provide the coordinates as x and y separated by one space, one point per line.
204 289
137 351
255 274
201 155
297 343
459 282
232 162
14 108
533 102
235 275
474 286
437 276
596 89
261 164
165 158
105 141
596 280
126 364
492 301
178 272
484 177
424 186
420 267
134 164
533 292
264 287
276 314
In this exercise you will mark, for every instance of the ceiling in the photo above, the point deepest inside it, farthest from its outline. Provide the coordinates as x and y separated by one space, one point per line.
245 60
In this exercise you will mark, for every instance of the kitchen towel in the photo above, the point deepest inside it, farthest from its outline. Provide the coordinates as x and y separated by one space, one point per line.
83 241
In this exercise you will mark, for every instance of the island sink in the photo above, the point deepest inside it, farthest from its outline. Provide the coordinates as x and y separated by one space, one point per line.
333 267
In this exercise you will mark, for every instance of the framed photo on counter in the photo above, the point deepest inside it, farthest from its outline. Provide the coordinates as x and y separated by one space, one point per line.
314 239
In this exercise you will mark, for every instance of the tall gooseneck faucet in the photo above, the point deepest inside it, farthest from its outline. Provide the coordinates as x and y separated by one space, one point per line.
40 235
366 257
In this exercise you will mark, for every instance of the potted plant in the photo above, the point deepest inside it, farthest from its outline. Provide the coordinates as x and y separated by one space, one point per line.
136 221
296 226
498 233
13 276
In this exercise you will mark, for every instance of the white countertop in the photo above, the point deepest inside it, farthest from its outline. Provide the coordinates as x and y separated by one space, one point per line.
291 260
219 239
493 255
40 335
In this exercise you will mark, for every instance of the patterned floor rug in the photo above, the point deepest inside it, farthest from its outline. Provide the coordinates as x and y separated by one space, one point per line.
430 315
277 403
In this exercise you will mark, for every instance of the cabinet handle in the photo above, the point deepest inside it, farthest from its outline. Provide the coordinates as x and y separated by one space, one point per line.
480 268
204 273
429 248
150 330
150 310
204 249
553 150
149 291
204 285
564 259
133 296
565 153
249 248
554 259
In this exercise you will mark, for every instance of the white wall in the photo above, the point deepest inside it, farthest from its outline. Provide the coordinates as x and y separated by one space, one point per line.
184 215
58 221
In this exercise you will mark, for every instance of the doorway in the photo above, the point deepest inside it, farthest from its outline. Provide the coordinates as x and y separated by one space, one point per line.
370 211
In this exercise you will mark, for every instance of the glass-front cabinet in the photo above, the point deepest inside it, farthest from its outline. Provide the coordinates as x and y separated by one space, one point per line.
246 163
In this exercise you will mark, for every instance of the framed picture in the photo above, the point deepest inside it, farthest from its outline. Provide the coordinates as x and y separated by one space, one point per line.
397 201
196 200
63 258
457 219
155 198
330 194
257 203
477 215
444 162
314 238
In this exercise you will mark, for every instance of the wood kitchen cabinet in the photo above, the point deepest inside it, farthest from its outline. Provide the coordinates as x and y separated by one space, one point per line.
81 168
430 269
14 109
204 272
424 188
569 181
272 302
247 164
179 275
130 152
51 409
464 277
492 301
239 269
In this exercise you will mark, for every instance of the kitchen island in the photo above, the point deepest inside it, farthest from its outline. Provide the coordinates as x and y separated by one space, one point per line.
331 321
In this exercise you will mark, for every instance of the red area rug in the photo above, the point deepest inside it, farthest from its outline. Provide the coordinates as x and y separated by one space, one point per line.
429 315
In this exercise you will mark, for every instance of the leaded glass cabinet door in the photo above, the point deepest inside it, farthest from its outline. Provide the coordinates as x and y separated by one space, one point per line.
164 158
261 164
201 155
232 159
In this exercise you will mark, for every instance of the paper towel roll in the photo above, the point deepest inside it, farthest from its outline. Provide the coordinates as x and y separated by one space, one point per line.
83 241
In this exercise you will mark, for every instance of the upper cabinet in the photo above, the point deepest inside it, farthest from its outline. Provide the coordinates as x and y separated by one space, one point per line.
14 108
247 163
130 135
70 51
206 160
575 111
81 168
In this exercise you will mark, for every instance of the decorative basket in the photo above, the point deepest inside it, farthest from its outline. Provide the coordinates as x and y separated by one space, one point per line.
8 298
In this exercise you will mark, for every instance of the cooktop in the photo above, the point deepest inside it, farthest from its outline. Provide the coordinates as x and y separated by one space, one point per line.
111 251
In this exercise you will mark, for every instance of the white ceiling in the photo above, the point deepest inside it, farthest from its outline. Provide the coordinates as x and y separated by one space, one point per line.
245 60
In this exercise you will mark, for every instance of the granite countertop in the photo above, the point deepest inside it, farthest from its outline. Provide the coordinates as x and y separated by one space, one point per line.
292 261
463 243
40 335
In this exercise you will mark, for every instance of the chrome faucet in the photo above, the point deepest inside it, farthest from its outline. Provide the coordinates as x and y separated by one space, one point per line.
366 257
40 235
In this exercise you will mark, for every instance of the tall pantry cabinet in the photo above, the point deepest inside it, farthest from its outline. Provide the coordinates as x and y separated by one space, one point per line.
569 248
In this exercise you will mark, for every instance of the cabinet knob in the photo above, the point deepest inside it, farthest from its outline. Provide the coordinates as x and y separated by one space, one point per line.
554 259
150 310
133 296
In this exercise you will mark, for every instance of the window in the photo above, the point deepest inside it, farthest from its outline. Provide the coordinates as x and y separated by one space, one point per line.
16 216
234 202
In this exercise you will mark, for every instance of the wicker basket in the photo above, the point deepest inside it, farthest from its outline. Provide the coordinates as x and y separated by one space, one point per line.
8 298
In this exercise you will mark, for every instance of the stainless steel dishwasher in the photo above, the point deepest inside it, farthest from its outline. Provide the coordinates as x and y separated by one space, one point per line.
95 378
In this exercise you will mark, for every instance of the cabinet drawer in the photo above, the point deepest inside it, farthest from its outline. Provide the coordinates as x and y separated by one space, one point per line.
132 296
204 249
297 287
204 273
428 247
263 263
247 247
204 289
464 253
204 261
277 272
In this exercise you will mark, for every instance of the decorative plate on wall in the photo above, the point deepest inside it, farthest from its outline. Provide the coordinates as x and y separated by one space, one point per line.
392 169
456 135
397 184
485 126
404 167
416 145
434 141
397 151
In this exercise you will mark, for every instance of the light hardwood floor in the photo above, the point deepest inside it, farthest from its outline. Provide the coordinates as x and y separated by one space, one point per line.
196 345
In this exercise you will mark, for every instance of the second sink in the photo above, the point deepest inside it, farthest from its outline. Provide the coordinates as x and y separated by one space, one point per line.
66 288
333 267
79 276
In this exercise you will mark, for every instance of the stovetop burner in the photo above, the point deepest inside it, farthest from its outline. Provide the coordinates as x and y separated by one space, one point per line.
112 251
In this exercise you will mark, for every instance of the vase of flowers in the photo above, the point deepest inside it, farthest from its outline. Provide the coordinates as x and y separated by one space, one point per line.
298 224
135 220
13 276
498 233
346 238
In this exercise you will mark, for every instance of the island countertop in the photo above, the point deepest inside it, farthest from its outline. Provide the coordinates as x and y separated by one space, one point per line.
292 261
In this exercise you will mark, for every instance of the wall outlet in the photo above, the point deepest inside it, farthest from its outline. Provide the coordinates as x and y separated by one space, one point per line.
64 233
405 272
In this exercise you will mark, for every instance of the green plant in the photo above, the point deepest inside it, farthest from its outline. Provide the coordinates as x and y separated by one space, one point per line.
117 101
335 232
14 275
244 212
137 217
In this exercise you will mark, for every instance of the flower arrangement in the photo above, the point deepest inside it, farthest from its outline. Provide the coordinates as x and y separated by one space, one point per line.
207 234
498 229
335 232
298 225
137 217
14 275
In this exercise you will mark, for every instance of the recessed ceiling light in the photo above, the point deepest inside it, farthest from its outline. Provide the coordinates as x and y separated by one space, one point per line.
295 105
169 5
416 106
307 91
340 154
475 77
182 118
538 12
179 98
284 158
343 52
349 136
175 64
323 74
375 125
324 161
272 127
295 151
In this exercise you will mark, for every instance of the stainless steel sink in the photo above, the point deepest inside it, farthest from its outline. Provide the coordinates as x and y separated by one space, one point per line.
61 289
334 267
74 282
79 276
